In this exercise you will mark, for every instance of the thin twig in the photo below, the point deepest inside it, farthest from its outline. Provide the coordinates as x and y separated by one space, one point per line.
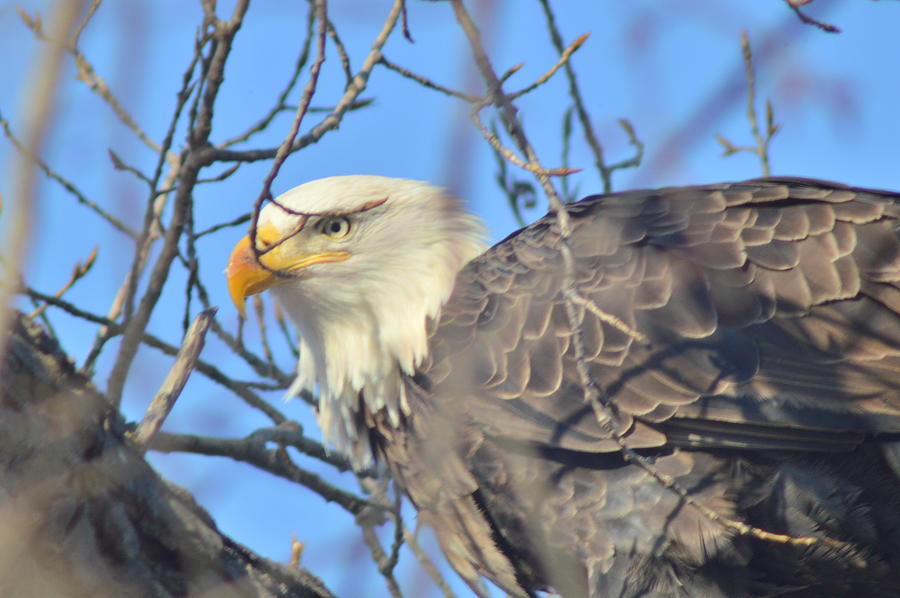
510 72
368 519
242 219
635 142
267 386
119 164
355 105
405 25
267 369
260 312
370 538
219 177
496 96
608 318
98 85
279 105
563 59
427 564
192 264
68 185
79 271
804 18
397 542
86 72
282 324
426 82
176 379
45 321
92 9
260 366
567 194
762 145
225 174
516 191
341 50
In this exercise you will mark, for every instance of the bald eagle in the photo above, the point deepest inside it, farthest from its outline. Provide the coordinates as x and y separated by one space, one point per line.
743 339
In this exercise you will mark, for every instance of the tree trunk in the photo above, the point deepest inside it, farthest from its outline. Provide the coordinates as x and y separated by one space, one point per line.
83 514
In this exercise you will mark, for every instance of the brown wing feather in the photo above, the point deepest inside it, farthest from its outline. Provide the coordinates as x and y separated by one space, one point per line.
767 303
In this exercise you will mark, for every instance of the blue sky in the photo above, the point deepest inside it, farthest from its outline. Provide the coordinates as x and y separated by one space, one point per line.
672 68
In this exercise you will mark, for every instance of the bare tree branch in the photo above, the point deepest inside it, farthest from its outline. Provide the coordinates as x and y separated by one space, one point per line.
252 450
174 383
346 102
198 156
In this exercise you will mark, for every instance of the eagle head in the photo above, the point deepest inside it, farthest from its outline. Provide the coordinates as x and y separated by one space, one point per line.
360 264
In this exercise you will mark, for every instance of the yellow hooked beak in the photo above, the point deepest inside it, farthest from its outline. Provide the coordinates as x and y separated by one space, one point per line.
246 276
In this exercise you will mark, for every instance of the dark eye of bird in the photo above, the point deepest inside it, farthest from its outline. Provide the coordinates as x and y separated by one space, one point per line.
261 243
336 228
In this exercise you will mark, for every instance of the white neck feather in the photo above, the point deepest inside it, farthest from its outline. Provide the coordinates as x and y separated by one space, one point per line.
363 323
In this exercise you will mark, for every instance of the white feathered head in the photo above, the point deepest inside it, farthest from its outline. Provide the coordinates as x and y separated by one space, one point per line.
359 263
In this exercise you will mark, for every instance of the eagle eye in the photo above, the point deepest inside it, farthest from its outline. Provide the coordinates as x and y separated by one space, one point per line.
336 228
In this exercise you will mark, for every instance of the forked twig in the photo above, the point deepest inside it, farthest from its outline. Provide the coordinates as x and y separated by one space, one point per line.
510 155
761 149
563 59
